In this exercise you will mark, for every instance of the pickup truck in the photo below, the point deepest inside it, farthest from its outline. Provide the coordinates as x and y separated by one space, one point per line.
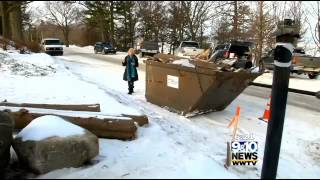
148 48
188 48
301 63
240 51
52 46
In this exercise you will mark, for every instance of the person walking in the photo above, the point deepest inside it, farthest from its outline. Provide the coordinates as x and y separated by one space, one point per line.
130 73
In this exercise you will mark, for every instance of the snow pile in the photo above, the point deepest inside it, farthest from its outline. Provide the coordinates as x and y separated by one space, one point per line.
27 64
88 47
184 62
70 45
49 126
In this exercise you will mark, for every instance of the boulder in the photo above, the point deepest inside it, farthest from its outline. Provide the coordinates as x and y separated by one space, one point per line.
6 128
49 143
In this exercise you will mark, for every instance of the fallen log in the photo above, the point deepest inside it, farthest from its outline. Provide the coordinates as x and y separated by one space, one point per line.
123 128
141 120
72 107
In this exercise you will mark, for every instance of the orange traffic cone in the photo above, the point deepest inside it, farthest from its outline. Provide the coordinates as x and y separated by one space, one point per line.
266 114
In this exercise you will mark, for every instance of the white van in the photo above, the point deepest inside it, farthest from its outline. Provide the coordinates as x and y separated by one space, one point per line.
52 46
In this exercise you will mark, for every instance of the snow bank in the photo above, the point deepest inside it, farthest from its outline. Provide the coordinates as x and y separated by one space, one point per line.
27 64
184 62
49 126
40 78
71 45
88 47
296 82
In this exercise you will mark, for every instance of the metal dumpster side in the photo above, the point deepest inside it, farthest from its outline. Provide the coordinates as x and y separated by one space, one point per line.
191 90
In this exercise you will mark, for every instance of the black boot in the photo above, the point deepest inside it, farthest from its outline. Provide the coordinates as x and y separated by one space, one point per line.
130 84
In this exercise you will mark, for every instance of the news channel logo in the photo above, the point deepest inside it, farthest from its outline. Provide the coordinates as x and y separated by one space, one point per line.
244 150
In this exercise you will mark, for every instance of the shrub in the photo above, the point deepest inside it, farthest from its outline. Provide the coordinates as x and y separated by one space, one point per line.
33 46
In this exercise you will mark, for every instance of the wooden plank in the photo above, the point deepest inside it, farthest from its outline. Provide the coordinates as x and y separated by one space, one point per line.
72 107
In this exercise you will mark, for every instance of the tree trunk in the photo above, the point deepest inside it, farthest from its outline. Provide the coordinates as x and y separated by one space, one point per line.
260 42
16 24
1 31
111 23
66 36
235 21
5 19
201 35
131 27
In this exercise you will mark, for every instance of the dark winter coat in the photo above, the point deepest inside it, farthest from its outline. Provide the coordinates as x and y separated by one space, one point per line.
125 74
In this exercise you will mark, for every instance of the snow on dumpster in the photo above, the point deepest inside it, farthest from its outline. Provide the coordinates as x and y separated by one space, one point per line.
193 86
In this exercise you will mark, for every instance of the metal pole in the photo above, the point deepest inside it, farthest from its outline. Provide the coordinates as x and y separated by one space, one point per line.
282 61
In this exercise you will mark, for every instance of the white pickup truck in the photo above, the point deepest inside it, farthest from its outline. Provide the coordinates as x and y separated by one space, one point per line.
188 48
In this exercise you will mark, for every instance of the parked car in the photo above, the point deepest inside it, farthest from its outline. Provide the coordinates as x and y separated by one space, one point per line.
239 50
52 46
148 48
188 48
301 63
104 48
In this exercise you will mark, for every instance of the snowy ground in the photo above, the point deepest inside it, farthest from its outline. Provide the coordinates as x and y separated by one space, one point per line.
171 146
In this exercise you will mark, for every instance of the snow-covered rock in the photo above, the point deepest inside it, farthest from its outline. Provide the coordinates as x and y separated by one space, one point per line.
49 143
6 127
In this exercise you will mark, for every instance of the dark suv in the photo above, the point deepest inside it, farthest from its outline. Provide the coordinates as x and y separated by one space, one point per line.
240 50
104 48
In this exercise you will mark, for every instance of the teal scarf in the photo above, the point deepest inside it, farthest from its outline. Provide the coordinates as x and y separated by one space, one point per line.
131 68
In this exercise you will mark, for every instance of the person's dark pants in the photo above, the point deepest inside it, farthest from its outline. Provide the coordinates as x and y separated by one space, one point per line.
131 86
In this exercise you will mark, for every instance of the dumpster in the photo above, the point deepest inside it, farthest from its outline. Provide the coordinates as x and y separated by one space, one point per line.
195 88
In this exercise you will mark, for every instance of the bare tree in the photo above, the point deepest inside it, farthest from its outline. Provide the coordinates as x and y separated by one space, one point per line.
262 28
313 19
152 18
236 15
198 12
62 14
